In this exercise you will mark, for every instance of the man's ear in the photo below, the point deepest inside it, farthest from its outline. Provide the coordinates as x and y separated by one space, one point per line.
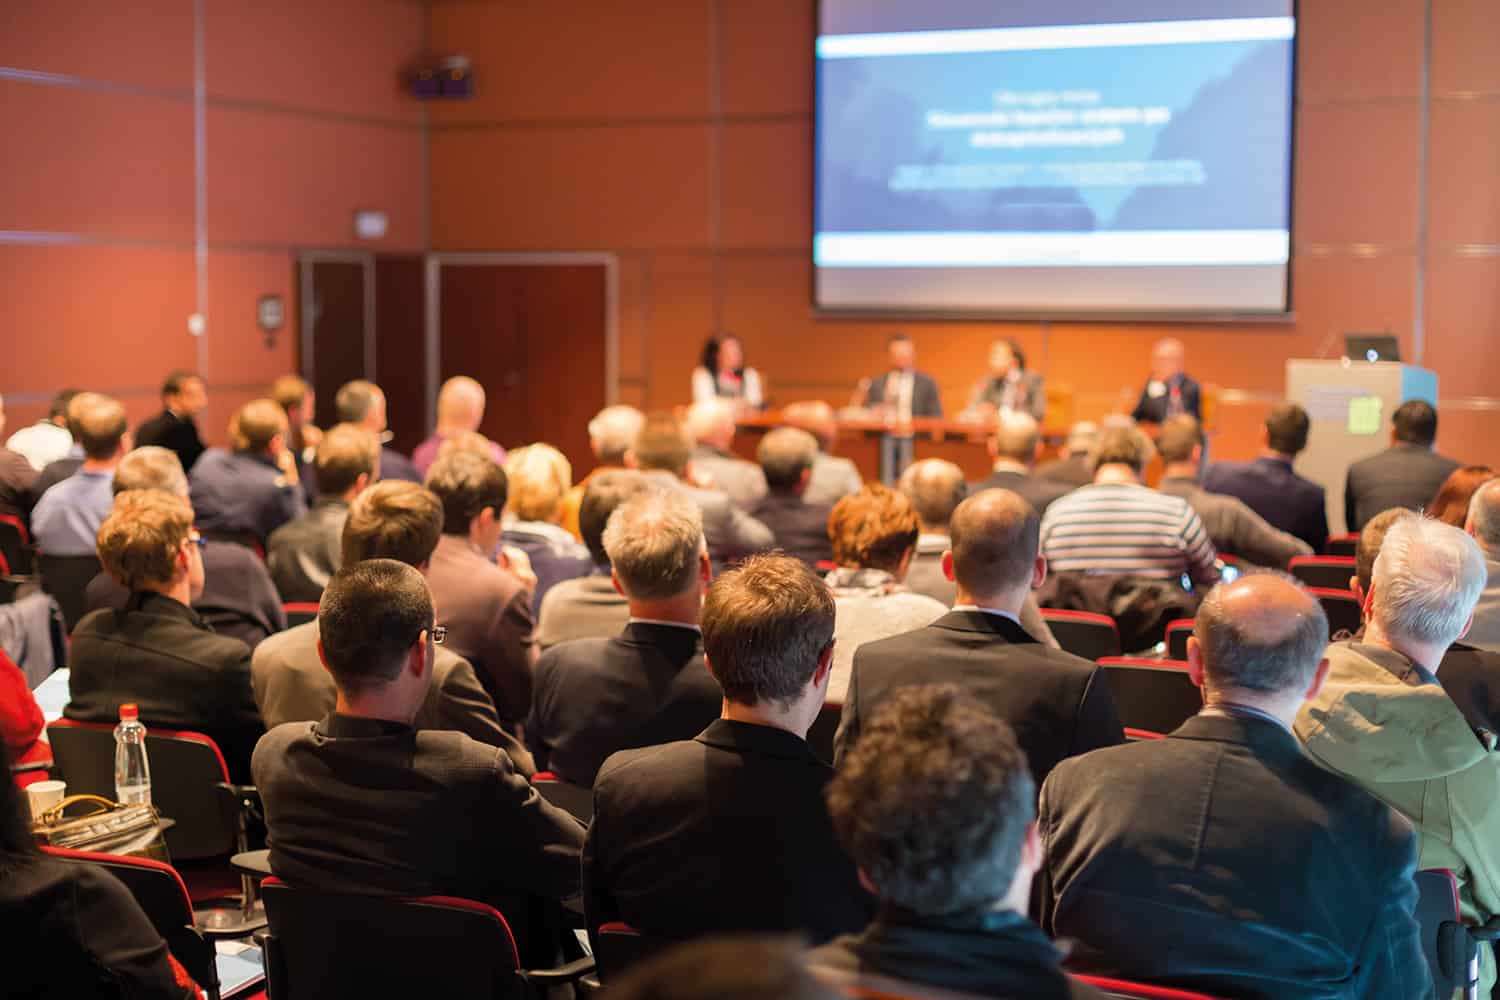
1319 677
417 661
705 569
948 566
825 665
1195 662
323 657
1039 572
614 578
1367 604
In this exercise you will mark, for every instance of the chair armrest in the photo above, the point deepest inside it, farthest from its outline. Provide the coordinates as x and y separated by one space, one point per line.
571 972
1488 931
256 864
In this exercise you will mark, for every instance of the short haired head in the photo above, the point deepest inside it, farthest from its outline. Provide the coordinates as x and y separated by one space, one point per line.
1371 537
1483 521
722 967
290 392
785 454
1261 633
994 536
653 542
354 401
1082 437
765 624
538 475
184 390
711 421
662 445
177 380
872 529
1451 503
1427 580
814 416
1117 445
1287 426
1167 357
613 430
151 467
605 492
256 424
901 350
1179 436
460 404
139 541
1016 436
101 425
58 410
934 801
467 484
395 519
1415 422
370 616
345 452
935 488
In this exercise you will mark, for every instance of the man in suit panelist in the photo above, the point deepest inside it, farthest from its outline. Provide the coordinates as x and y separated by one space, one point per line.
903 390
1170 390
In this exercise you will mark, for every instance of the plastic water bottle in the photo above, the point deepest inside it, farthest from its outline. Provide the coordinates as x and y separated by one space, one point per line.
132 770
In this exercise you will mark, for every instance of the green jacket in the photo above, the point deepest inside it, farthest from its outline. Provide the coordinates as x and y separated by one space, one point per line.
1383 723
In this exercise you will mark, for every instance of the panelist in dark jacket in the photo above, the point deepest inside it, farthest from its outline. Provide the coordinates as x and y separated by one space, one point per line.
903 390
1058 704
728 831
787 456
647 685
156 651
1169 391
1407 474
1221 858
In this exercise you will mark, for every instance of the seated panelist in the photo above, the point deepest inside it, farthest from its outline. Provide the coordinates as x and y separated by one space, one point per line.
1008 387
1170 390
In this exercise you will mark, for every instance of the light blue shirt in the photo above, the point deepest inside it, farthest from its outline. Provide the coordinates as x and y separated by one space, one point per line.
67 517
988 611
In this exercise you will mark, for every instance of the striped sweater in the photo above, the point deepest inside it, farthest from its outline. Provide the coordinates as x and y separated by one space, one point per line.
1127 530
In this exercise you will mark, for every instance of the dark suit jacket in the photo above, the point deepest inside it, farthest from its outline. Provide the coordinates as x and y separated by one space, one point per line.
366 805
162 656
17 478
1073 470
801 528
1282 498
239 600
394 465
1030 395
239 495
555 556
925 401
1404 475
593 697
1173 861
1058 704
726 832
179 434
303 554
1033 489
1153 409
1472 679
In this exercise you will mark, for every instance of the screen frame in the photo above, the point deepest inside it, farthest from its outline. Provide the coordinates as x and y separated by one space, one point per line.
1286 315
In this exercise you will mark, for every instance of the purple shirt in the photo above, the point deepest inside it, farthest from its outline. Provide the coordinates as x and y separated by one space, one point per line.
427 452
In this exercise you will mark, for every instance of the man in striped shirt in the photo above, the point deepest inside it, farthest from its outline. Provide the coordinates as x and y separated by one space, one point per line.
1119 527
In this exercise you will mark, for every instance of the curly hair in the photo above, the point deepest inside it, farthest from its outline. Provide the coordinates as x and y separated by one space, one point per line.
872 529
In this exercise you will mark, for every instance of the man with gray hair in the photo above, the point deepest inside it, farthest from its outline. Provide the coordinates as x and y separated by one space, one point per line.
833 478
1484 525
1013 448
787 456
1220 858
589 607
611 433
647 685
1384 720
711 424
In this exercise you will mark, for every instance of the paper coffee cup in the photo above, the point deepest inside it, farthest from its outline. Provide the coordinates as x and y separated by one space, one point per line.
45 795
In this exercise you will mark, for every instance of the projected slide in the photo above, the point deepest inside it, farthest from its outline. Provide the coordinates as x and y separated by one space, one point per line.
1118 161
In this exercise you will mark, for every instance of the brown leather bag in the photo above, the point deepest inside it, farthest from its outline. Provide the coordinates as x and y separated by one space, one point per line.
110 828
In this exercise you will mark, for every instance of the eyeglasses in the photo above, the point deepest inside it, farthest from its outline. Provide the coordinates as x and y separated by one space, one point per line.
438 633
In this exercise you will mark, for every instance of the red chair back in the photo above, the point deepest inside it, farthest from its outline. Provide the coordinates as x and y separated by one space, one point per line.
66 578
1177 637
1332 572
15 546
1122 989
300 613
1154 695
1342 545
1341 607
571 798
1084 633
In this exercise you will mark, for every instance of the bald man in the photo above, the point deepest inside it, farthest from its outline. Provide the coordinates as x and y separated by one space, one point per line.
711 424
1220 858
1169 391
833 478
460 409
1059 704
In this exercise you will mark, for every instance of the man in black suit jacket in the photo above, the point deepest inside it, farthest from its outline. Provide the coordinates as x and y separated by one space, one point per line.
1221 858
1059 704
1268 485
156 651
363 403
1013 447
786 458
175 428
1169 391
1407 474
903 389
729 831
647 685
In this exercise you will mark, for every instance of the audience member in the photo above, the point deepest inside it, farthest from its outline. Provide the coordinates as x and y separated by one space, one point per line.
724 967
611 433
298 401
1233 527
833 478
1384 721
1268 486
1407 474
728 831
786 457
487 608
361 801
1121 527
304 553
396 520
1168 859
1170 390
363 403
238 598
646 685
903 391
1072 466
1059 704
1451 502
936 805
156 651
1013 447
245 492
538 476
1483 523
874 534
662 450
66 518
183 398
711 424
49 438
460 408
70 462
589 607
17 477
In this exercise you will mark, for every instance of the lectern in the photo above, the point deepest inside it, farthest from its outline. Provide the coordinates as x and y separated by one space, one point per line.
1350 403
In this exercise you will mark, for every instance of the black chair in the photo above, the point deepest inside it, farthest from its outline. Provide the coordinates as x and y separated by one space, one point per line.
15 546
66 578
571 798
824 728
618 946
329 946
1152 695
1342 608
1177 637
1342 545
300 613
1451 946
1083 633
1332 572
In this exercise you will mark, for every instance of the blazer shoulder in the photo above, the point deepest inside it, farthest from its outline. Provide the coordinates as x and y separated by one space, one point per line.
642 763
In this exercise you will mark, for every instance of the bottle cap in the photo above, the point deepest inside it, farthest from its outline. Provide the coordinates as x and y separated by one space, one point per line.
129 711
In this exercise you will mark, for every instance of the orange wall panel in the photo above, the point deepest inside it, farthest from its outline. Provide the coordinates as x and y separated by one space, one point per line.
1463 46
767 63
1464 159
238 351
767 185
1463 326
1351 51
681 316
1330 206
143 43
